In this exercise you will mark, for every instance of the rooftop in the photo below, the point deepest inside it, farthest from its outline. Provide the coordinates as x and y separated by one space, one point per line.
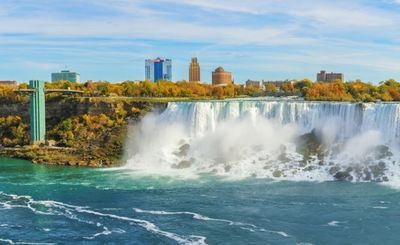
219 69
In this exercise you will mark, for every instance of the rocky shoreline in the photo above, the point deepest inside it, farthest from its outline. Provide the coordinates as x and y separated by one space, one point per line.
55 156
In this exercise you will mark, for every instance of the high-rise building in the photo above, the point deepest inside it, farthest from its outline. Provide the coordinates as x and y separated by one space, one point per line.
194 71
221 77
73 77
329 77
158 69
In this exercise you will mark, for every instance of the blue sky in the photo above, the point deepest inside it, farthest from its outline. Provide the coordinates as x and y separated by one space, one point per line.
254 39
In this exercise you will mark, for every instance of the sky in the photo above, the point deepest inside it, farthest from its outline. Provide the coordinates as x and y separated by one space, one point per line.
254 39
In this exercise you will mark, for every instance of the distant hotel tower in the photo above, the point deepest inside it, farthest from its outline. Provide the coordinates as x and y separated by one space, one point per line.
221 77
158 69
194 71
73 77
329 77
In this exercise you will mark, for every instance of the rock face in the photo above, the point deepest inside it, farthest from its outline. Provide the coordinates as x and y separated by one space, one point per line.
58 110
371 167
310 145
343 176
95 152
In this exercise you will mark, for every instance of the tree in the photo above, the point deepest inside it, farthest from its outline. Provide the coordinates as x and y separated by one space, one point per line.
334 91
218 92
270 88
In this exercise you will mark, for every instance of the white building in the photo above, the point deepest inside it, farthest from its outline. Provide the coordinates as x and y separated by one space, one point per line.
73 77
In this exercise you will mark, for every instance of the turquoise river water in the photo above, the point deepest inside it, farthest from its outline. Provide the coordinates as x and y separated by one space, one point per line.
62 205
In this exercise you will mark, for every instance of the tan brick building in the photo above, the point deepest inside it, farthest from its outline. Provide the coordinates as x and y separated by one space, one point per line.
194 71
9 83
323 76
221 77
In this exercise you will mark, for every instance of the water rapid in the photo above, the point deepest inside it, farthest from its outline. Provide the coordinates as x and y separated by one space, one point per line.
277 139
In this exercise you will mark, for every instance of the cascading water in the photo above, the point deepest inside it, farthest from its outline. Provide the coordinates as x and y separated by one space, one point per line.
279 139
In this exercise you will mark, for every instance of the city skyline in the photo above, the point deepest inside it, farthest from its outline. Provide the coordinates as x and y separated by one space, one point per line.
276 40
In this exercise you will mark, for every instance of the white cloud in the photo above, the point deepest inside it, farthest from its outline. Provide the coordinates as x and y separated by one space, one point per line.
340 13
139 20
150 29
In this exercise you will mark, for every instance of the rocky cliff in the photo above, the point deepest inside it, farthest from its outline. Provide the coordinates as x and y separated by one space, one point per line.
86 131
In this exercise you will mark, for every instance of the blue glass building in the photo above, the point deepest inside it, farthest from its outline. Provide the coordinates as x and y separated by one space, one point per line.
158 69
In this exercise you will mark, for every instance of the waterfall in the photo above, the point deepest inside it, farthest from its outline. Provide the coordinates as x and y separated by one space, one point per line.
285 139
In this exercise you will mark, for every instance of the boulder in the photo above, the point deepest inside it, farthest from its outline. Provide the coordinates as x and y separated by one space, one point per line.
343 176
183 164
277 173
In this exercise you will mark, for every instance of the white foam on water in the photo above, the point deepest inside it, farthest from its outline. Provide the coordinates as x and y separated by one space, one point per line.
240 139
54 208
6 241
243 226
105 232
380 207
335 223
148 226
194 215
284 234
9 241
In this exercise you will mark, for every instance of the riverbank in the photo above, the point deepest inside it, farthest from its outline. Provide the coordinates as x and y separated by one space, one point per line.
52 156
81 131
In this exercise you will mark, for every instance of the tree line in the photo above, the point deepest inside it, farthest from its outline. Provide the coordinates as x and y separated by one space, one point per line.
355 91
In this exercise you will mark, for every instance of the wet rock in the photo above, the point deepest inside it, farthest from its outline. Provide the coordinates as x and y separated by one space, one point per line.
183 150
343 176
366 174
310 145
378 170
303 163
309 168
277 173
214 171
283 158
183 164
94 163
334 170
382 152
266 167
227 168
